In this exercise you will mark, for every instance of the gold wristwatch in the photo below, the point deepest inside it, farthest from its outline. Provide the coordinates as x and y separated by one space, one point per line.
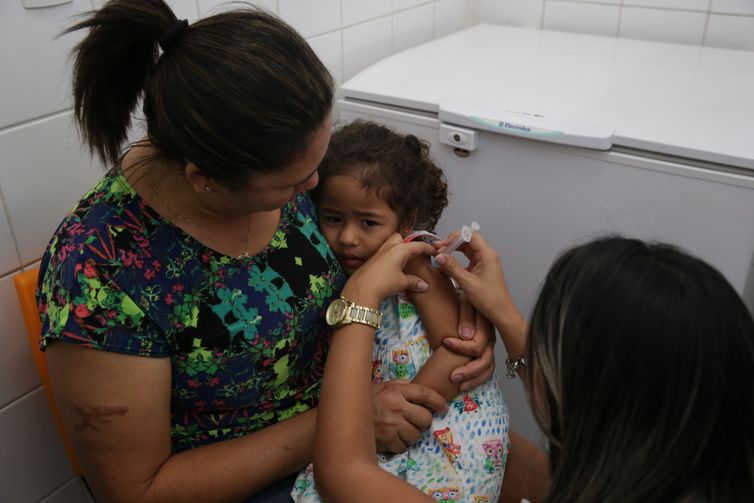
343 311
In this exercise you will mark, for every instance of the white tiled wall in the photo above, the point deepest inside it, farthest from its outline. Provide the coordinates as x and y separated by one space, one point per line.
716 23
44 170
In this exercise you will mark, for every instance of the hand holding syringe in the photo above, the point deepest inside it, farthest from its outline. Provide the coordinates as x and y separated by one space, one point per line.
466 232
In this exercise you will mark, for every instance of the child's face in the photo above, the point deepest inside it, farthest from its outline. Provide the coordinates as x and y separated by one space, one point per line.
354 221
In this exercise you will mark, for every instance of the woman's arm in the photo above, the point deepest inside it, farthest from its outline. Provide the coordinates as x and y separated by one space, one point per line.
438 308
527 473
116 409
345 464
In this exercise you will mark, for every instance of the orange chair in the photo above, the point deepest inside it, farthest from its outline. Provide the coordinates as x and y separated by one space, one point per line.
26 285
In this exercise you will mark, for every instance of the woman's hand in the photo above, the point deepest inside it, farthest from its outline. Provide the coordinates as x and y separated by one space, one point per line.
476 339
484 284
482 280
382 275
402 411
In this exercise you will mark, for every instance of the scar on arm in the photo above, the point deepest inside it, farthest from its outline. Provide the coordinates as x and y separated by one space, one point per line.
95 416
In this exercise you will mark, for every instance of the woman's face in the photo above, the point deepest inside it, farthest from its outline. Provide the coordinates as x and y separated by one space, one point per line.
270 191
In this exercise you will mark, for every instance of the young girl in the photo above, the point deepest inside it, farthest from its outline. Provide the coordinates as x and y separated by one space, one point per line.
373 183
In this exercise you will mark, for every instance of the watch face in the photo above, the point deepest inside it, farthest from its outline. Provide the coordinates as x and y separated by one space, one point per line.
336 312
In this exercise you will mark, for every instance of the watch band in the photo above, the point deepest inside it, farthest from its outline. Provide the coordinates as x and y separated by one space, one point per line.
343 311
361 314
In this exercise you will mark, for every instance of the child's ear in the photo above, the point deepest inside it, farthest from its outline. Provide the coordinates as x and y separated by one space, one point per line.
408 223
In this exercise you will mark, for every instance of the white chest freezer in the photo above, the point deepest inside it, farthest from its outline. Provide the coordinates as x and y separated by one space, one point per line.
549 139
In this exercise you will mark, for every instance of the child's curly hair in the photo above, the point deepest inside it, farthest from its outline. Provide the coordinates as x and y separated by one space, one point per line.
396 167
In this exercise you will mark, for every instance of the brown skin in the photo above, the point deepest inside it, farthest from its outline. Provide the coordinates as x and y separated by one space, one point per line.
126 455
346 432
527 472
527 468
438 308
484 283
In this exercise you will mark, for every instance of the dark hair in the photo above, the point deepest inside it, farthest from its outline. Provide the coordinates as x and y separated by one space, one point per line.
237 93
642 374
397 168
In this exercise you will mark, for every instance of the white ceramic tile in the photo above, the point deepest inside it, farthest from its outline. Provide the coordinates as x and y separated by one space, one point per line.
45 171
329 48
71 492
733 6
592 19
407 4
183 9
365 44
356 11
311 18
663 25
413 27
451 16
209 7
35 79
9 259
32 456
733 32
700 5
18 375
522 13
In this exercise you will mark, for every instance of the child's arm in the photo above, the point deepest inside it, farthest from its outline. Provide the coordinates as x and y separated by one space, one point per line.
438 308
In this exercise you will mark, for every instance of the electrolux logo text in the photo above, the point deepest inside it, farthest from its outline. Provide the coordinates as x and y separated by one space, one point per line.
518 127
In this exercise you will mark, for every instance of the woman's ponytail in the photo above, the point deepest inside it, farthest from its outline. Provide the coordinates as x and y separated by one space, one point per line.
237 93
111 67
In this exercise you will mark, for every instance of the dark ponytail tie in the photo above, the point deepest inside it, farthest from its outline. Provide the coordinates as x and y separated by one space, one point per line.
173 34
413 144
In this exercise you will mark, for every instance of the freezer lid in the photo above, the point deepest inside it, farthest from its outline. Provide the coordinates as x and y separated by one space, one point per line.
574 89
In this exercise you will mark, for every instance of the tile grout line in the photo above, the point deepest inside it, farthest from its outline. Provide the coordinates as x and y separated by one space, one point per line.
61 486
23 396
706 24
33 120
620 18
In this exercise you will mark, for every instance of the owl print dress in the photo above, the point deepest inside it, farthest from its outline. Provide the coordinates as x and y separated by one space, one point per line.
461 457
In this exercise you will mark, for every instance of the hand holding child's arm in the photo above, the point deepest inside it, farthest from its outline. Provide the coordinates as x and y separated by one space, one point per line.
438 309
484 284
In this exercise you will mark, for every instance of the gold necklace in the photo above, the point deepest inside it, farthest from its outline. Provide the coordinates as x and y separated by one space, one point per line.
215 245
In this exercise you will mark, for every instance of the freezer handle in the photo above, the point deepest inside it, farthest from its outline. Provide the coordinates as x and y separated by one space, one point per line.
530 125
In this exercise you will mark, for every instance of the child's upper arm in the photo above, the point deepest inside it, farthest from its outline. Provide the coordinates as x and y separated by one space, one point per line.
438 306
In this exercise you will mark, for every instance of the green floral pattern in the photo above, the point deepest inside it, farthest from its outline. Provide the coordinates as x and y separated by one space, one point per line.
246 337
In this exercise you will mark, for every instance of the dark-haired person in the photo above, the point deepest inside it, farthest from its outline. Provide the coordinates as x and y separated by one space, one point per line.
639 363
190 284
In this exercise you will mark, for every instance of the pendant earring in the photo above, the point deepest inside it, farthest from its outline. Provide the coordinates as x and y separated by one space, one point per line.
207 188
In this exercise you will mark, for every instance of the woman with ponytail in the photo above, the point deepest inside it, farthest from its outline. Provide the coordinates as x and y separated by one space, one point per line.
183 297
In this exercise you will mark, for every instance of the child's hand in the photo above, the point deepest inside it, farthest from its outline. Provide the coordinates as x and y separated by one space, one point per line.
382 275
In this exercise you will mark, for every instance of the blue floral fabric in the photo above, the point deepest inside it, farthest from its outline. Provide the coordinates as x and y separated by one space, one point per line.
246 337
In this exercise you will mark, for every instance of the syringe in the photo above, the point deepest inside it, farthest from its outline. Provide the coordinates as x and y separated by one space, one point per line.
466 232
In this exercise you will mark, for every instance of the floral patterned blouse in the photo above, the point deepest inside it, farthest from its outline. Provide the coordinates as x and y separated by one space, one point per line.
245 336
